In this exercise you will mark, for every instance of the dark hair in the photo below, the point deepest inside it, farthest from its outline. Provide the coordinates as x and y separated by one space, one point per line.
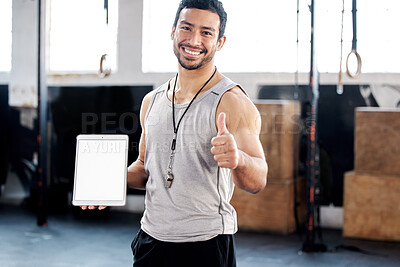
214 6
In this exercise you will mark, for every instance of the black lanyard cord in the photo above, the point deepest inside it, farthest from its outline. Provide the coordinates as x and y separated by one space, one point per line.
176 127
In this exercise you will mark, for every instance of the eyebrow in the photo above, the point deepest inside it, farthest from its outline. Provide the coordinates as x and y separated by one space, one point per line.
203 27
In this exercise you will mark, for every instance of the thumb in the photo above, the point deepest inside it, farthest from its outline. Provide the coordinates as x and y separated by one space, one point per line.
221 124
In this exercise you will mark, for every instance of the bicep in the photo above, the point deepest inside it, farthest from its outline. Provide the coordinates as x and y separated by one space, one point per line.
247 133
143 110
243 121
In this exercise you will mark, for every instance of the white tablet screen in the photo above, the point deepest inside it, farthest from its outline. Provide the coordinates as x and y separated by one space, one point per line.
100 173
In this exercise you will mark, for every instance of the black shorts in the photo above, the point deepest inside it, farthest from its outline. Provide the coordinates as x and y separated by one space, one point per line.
218 251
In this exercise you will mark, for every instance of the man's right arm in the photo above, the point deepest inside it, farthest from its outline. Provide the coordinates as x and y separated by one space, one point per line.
137 176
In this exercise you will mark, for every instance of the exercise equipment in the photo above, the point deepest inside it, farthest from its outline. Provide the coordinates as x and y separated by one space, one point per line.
354 45
312 162
339 88
296 97
42 118
357 74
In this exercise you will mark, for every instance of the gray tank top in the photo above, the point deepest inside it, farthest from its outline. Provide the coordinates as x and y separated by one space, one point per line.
196 207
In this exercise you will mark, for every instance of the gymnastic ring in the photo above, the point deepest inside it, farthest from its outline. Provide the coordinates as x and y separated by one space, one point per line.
359 63
103 72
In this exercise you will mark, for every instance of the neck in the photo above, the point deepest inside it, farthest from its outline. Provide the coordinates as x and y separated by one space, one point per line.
191 80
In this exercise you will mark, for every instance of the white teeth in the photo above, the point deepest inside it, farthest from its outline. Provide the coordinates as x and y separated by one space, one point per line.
192 52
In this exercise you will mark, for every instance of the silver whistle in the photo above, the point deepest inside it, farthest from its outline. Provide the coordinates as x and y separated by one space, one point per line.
169 178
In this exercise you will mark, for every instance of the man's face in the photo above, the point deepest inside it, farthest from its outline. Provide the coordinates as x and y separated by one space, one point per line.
196 38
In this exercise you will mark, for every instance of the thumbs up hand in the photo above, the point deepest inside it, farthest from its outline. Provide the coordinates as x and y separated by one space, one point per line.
224 149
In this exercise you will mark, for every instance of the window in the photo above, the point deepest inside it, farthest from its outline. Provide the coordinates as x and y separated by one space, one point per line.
158 17
261 36
6 35
378 42
79 35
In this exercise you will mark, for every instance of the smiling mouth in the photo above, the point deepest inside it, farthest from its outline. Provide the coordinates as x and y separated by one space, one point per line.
192 52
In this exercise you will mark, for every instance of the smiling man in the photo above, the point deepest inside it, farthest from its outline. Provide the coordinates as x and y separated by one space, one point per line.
200 138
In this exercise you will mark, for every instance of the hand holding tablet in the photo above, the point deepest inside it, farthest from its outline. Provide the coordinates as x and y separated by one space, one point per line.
93 207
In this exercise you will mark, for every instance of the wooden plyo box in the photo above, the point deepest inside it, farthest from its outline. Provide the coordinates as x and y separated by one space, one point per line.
371 207
271 210
377 141
280 133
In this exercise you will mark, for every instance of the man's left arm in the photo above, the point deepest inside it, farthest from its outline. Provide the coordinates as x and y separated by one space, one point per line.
237 145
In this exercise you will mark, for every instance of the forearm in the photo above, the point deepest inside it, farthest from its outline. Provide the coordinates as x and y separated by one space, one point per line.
250 173
137 176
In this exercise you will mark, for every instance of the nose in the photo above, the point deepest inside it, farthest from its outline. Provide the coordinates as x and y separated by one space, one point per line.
195 39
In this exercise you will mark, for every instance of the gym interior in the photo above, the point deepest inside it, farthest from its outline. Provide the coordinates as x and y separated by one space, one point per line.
324 76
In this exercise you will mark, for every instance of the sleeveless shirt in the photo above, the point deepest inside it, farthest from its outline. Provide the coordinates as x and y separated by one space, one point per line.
196 207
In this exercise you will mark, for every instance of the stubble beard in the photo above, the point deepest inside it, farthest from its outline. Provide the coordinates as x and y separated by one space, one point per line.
208 58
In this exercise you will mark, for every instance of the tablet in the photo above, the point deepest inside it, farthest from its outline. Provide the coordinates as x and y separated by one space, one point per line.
100 170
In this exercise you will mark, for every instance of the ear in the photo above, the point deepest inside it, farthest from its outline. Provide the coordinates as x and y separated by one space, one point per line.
173 32
221 42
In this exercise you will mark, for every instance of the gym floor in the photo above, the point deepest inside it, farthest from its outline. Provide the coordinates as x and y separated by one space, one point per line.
103 239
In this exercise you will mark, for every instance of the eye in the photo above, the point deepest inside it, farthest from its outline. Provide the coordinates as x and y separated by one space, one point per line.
207 33
185 28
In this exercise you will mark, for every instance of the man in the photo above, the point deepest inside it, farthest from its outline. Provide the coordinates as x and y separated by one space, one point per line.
200 138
